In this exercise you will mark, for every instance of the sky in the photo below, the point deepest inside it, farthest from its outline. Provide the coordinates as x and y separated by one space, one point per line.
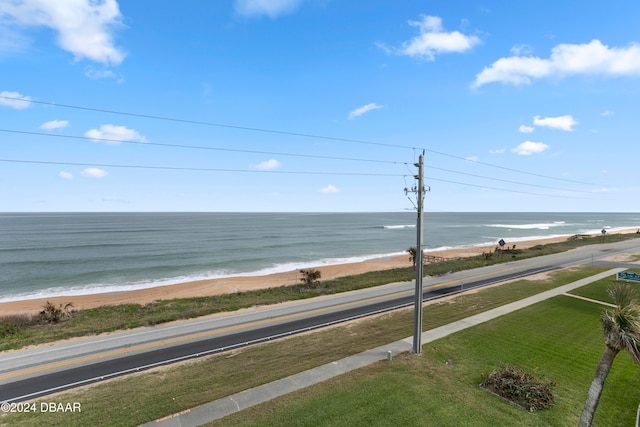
319 105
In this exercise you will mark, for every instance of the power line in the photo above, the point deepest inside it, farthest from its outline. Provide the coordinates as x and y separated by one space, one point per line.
509 169
104 165
191 169
506 180
503 189
203 123
198 147
279 132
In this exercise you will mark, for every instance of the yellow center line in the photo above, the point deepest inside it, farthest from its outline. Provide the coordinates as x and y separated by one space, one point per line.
209 333
184 338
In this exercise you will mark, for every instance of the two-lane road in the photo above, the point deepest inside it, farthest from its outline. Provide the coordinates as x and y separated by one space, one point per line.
36 372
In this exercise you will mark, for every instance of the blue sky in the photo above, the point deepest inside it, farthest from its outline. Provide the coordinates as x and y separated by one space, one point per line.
318 105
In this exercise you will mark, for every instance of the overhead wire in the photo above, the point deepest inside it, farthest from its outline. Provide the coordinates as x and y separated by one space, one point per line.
203 123
113 165
279 132
508 169
504 189
254 129
505 180
199 147
192 169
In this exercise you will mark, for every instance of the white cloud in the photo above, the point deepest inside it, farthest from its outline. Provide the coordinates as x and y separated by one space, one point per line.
526 129
272 8
94 173
433 40
114 134
65 175
521 49
362 110
54 124
330 189
15 100
592 58
96 74
565 123
528 148
472 158
498 151
268 165
606 113
84 27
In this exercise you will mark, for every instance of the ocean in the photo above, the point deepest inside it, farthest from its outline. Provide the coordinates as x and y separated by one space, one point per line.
54 254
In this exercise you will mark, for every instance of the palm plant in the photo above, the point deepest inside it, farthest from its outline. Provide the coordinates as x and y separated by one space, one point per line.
310 276
52 314
621 327
412 255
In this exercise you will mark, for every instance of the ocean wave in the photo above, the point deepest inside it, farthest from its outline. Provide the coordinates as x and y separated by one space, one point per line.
103 288
293 266
539 226
491 243
398 227
608 229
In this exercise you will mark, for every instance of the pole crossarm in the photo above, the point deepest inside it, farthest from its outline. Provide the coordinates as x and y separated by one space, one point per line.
417 318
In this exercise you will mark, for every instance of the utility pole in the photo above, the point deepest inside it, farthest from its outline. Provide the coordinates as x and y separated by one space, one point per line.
417 318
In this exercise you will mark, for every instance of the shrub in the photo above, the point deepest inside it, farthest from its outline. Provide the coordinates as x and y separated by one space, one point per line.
310 276
413 252
52 314
520 387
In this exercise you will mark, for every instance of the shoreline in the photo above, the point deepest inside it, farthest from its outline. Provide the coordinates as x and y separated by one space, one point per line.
219 286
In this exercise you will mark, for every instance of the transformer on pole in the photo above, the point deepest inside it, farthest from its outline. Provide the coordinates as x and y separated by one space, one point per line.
417 318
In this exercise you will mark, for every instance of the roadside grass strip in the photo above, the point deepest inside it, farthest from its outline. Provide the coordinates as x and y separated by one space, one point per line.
560 338
440 387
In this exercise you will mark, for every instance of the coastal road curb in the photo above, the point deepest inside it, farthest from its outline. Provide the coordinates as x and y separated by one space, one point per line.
237 402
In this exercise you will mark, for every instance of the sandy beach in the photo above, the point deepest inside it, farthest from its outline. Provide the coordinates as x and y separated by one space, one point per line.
241 284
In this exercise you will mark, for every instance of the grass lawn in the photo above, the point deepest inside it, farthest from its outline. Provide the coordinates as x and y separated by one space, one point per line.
132 400
598 290
560 338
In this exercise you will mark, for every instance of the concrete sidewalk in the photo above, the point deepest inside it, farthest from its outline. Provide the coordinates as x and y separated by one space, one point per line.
228 405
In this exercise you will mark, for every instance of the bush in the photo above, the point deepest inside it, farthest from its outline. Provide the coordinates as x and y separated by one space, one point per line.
52 314
520 387
310 276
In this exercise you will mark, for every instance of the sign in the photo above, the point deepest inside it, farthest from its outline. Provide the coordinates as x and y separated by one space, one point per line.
628 276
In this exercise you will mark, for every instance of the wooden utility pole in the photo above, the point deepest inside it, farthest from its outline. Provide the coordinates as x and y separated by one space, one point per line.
417 318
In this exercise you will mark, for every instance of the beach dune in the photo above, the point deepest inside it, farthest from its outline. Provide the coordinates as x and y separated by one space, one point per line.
241 284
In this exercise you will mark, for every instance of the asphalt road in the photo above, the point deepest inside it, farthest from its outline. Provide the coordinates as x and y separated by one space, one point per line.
33 373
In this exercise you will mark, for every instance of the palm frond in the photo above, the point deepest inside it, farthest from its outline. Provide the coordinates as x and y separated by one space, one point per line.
623 295
621 324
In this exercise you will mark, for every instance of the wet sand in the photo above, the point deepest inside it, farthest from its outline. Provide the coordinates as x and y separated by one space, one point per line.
241 284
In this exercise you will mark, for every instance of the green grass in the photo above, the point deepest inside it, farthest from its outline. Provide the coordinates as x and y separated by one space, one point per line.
598 290
560 338
17 333
135 399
